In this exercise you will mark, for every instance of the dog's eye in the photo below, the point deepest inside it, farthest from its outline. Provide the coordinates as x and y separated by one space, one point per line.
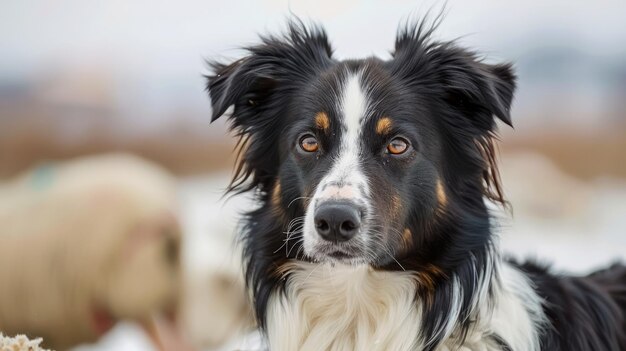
309 143
397 146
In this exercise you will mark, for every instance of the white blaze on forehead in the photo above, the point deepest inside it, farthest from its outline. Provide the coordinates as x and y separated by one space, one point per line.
345 180
346 170
353 106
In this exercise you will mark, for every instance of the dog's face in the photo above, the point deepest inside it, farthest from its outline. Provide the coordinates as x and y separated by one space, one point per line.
362 159
365 149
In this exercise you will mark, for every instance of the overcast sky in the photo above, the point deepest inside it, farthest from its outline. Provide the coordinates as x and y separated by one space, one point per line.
154 50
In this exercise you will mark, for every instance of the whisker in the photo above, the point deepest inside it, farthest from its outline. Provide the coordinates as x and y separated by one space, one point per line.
299 241
298 198
294 225
313 271
383 245
390 255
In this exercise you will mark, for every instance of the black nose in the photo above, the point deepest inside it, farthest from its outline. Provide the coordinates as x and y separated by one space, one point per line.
337 221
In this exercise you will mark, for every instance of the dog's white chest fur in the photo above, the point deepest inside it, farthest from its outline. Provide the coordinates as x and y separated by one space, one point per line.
343 308
356 308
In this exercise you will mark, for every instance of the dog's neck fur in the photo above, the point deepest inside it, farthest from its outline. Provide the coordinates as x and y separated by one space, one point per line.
326 307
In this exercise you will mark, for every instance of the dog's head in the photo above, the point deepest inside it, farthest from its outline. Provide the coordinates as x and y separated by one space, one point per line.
366 161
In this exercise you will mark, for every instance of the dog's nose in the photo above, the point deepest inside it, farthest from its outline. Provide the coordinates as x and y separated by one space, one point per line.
337 221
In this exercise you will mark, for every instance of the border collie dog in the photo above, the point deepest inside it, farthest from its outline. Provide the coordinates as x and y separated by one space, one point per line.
373 231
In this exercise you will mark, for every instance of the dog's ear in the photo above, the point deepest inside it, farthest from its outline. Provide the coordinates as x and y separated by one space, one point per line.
274 64
241 84
478 90
259 87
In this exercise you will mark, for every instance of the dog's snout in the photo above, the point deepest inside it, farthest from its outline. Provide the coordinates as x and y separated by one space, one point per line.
337 221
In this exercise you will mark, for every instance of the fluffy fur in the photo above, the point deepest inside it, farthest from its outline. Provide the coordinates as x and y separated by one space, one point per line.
420 269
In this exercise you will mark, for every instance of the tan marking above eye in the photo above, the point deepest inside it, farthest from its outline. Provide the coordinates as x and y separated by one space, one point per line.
397 146
309 143
383 126
322 121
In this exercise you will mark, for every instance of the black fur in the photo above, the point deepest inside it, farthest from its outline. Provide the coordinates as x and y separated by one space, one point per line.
586 313
445 98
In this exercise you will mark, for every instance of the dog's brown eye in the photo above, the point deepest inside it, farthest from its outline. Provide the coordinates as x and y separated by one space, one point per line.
309 143
397 146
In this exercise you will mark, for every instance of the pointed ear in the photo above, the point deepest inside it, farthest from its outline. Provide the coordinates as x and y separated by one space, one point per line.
277 62
242 84
480 91
261 87
501 79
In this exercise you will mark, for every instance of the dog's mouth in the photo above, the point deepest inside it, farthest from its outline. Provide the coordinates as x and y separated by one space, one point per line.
345 254
340 255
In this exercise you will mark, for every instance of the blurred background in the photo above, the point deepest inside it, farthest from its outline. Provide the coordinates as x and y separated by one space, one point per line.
111 94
